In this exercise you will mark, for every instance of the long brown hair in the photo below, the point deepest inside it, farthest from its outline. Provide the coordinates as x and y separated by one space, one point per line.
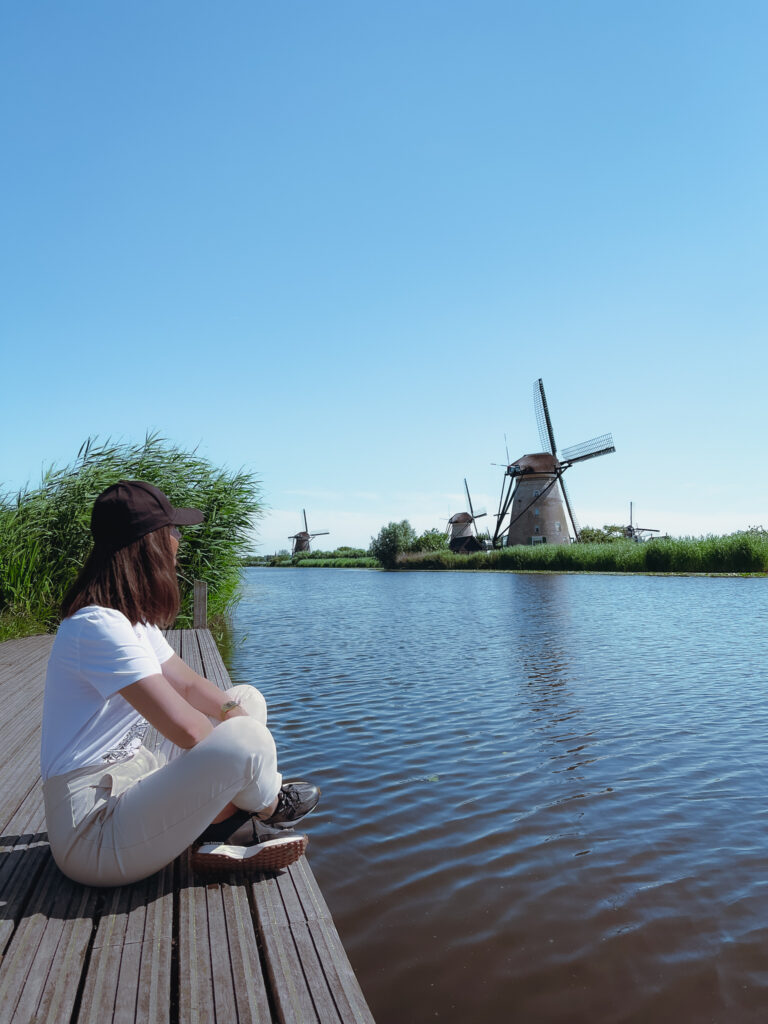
138 580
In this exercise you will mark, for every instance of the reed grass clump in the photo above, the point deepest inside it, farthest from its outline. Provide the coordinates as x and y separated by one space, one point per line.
735 553
45 532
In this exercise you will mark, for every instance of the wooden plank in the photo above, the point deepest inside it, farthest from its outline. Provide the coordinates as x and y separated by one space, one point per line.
221 968
41 969
212 660
98 1002
332 984
196 1005
24 851
191 650
129 973
289 988
341 978
249 982
200 605
20 781
20 678
154 981
239 988
70 941
311 976
298 935
17 654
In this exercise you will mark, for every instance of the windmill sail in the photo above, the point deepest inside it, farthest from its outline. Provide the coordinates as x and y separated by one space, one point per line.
303 537
602 445
535 506
546 433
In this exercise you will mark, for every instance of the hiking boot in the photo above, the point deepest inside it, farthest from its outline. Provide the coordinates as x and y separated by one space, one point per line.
270 853
294 802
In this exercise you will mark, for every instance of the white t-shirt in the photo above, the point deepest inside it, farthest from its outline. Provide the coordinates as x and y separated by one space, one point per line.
86 721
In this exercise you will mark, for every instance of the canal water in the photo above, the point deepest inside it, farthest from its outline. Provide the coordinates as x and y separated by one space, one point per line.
545 797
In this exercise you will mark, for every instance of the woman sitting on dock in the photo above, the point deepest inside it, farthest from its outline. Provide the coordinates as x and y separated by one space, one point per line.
115 811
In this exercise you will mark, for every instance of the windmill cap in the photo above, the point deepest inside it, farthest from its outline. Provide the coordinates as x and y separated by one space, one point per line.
130 509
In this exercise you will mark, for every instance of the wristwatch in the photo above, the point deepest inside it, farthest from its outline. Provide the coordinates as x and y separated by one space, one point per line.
228 706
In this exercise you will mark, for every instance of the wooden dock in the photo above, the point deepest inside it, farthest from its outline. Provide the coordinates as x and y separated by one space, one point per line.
168 950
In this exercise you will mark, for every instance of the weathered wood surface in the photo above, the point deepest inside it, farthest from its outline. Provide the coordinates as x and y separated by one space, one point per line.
168 950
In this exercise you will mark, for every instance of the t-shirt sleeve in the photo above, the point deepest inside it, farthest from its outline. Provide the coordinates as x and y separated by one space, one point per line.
111 655
160 645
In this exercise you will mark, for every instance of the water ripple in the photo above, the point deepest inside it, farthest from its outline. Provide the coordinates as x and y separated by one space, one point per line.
543 796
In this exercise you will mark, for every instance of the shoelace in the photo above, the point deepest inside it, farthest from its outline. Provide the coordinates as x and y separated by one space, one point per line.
287 801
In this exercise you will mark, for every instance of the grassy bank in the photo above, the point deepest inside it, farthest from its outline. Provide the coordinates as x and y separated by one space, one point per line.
338 563
738 553
45 532
341 558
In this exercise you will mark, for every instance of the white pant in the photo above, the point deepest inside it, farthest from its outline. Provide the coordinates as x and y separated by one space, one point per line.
110 825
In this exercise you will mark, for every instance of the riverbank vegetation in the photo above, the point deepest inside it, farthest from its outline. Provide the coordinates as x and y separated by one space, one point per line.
341 558
399 547
45 532
743 552
397 539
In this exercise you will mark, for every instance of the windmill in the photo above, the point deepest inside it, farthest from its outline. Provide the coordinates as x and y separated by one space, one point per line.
462 529
636 532
533 492
303 537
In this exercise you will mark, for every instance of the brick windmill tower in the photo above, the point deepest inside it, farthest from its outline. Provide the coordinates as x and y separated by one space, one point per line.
535 507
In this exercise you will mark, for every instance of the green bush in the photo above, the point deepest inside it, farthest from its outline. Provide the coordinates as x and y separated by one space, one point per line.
393 540
431 540
45 532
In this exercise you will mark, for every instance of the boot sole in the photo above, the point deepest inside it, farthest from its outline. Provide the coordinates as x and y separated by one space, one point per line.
271 855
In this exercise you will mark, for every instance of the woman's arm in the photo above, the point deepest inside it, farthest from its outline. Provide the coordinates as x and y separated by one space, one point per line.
201 693
167 710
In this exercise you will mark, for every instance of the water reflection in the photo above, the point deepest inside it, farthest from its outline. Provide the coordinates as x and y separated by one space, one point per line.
538 804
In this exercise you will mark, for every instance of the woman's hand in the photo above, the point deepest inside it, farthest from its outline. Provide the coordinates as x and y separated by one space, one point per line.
236 712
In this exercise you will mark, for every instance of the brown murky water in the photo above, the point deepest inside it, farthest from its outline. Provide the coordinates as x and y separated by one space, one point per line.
544 797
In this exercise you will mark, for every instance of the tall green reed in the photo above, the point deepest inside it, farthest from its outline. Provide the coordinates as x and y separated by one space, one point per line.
45 531
736 553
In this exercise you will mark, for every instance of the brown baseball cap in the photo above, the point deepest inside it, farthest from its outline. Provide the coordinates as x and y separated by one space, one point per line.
130 509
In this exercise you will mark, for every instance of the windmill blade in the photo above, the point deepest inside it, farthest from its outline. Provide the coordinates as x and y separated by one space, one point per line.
480 512
306 528
469 500
546 433
320 533
569 506
505 500
602 445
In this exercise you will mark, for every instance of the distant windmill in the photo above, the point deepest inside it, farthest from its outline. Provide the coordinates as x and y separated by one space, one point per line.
534 498
462 529
303 537
636 532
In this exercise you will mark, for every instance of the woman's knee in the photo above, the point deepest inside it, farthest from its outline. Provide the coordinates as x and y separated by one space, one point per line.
251 700
245 738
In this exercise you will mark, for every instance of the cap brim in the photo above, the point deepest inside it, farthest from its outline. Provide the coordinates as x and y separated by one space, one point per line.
186 516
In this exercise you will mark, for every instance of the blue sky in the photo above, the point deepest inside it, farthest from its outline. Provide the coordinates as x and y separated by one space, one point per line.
336 243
